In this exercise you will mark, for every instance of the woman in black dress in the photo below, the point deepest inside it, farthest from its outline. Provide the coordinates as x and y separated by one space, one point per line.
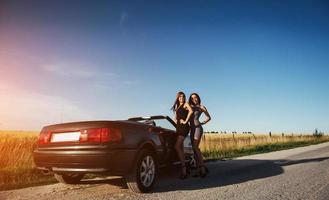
183 112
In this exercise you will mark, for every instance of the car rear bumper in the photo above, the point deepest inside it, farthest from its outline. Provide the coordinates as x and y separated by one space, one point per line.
115 162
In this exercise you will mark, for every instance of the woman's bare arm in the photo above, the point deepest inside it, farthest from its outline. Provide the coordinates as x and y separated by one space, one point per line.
208 118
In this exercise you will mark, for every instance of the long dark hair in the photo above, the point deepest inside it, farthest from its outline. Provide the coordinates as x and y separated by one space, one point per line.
190 99
176 104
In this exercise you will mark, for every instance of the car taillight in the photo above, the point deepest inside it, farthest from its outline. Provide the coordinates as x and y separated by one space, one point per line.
44 137
90 135
100 135
111 135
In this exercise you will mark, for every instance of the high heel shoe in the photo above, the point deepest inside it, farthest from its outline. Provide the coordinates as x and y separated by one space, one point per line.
206 170
183 175
201 173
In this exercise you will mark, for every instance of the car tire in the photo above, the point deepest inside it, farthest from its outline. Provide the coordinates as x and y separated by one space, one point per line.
144 172
69 178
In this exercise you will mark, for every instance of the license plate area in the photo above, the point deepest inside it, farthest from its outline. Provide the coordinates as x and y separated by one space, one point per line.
65 137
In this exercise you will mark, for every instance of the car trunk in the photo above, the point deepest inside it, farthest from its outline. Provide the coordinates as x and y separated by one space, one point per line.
92 146
80 133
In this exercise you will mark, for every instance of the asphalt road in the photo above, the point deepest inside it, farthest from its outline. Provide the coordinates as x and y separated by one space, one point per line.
301 173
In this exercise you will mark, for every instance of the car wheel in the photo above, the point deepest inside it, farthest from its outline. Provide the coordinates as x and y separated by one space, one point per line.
144 172
69 178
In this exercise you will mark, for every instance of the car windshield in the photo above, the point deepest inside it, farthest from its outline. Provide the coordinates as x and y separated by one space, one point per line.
164 123
155 121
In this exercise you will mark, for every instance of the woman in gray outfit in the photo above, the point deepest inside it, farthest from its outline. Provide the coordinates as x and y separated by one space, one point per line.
197 130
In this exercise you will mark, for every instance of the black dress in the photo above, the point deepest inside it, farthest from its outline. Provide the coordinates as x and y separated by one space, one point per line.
182 129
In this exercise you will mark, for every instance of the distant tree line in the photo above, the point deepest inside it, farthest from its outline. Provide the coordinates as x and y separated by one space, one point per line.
227 132
316 133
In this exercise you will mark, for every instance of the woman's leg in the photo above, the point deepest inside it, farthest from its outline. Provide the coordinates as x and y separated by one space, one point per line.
193 146
196 143
198 153
180 151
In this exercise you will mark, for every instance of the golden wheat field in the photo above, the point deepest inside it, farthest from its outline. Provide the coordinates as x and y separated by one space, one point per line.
18 170
226 142
16 148
16 161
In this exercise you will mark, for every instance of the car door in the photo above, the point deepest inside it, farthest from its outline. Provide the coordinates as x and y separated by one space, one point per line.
167 136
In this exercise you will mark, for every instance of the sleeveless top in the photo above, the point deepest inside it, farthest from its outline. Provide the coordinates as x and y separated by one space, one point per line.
181 113
182 129
194 121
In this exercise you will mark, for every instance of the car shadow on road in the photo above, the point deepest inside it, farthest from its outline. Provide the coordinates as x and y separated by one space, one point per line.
224 173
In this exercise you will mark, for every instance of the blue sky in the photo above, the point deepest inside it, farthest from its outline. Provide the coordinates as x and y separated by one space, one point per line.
258 65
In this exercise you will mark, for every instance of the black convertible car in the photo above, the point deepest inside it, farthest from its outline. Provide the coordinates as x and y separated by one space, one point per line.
135 148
